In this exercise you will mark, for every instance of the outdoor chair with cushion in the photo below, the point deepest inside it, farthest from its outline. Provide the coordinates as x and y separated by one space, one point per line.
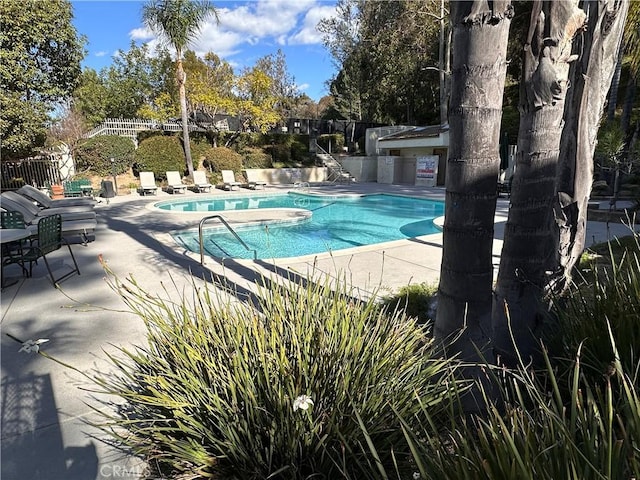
229 180
200 181
148 183
82 226
47 240
174 183
252 181
45 201
16 202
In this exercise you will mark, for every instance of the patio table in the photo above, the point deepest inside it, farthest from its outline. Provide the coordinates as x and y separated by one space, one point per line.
8 236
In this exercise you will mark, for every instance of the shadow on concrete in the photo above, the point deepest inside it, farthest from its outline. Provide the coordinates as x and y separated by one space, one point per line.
32 446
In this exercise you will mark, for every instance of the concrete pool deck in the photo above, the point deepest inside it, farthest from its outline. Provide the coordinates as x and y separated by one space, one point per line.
44 435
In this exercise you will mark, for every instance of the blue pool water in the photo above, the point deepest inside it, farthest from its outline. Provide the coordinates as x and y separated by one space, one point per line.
336 223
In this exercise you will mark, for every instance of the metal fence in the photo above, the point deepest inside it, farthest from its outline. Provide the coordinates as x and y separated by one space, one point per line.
40 171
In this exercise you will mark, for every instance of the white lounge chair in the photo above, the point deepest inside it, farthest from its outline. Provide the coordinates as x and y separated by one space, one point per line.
200 181
148 183
229 180
174 183
252 180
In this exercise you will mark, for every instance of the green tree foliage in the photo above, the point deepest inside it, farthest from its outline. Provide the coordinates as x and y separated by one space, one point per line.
255 103
283 84
160 154
40 56
387 53
210 87
95 154
136 84
91 97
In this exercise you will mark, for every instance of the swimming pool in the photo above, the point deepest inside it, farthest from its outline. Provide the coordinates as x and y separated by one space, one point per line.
336 223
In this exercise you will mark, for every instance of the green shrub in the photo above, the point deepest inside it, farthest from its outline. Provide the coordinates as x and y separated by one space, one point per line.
300 149
160 154
417 300
335 139
281 153
256 158
548 425
222 158
610 297
215 391
95 154
199 148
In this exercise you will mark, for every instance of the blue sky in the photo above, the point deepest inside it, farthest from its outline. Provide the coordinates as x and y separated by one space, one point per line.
247 31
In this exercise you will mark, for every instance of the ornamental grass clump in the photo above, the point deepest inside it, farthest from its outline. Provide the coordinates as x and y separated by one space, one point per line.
577 416
303 383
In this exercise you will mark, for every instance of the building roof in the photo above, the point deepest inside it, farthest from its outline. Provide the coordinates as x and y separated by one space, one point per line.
417 132
433 136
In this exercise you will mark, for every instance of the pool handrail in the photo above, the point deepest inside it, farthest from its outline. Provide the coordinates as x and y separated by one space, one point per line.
226 224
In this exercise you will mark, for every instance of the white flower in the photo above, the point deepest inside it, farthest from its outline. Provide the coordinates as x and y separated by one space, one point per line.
32 346
416 475
302 402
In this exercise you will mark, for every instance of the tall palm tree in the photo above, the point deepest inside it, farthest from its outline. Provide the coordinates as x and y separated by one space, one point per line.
178 22
478 71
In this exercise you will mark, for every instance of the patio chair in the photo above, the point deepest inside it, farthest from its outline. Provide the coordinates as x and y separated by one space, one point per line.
200 181
148 183
252 180
48 239
45 201
229 180
174 182
16 202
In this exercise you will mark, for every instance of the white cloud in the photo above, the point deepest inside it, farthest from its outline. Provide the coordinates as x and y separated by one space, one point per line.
302 87
276 22
283 22
141 34
101 53
308 34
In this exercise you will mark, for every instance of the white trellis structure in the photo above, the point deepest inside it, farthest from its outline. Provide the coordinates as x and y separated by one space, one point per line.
131 127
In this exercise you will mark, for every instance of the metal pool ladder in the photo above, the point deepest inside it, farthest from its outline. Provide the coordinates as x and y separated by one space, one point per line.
226 224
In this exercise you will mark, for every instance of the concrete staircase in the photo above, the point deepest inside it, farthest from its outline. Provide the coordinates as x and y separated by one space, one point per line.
335 171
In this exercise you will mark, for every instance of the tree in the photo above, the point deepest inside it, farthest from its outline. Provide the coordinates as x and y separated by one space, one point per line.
255 103
528 249
590 80
40 54
210 90
283 84
383 50
178 22
479 65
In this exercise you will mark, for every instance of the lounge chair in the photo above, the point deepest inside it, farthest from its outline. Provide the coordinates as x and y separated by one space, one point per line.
148 183
252 180
17 203
82 227
174 183
45 201
229 180
200 181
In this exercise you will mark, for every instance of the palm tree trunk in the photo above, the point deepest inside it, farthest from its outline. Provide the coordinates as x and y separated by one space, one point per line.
590 79
182 78
528 249
480 37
